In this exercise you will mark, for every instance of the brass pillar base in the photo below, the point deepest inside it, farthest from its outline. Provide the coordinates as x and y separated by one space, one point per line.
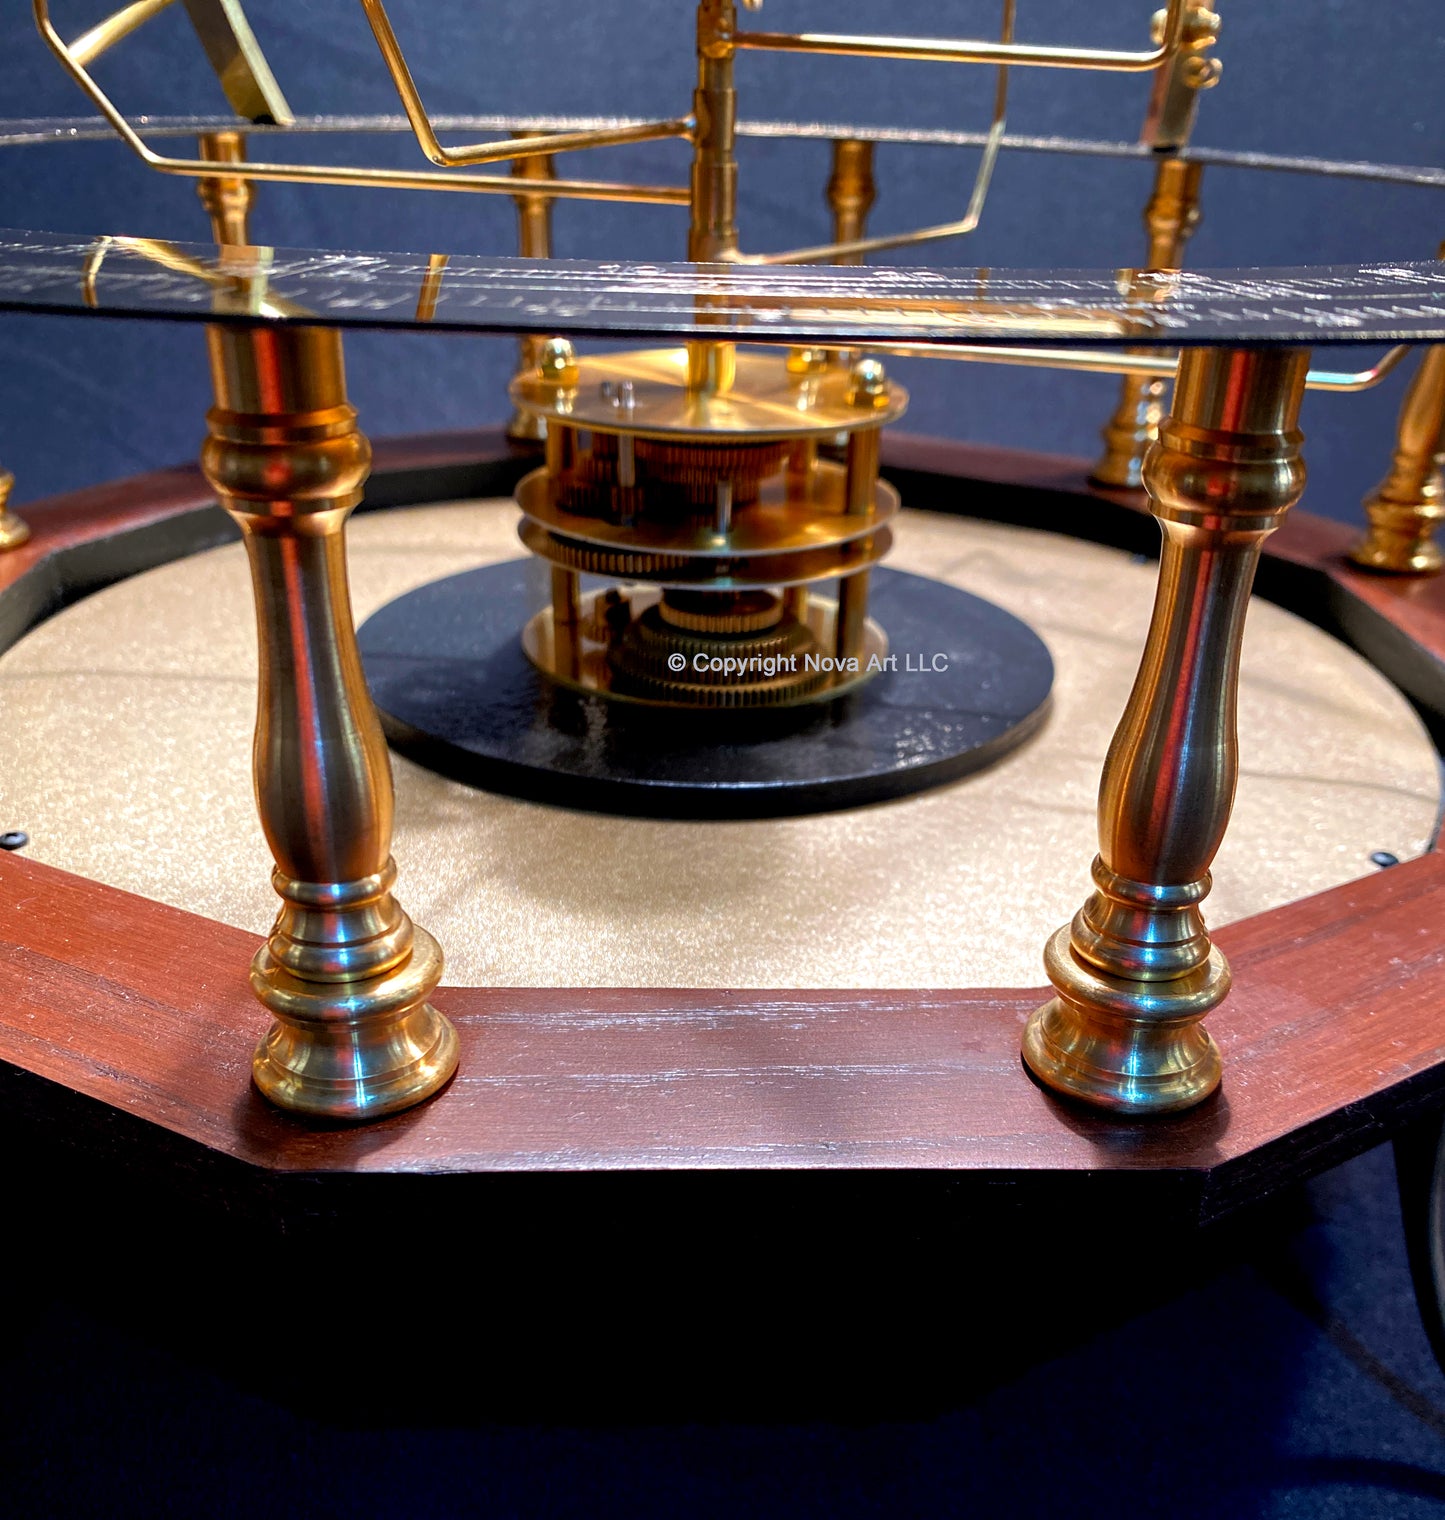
1401 536
1121 1044
13 531
323 1058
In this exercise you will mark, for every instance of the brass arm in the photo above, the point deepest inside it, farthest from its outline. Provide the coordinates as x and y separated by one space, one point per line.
496 152
942 50
325 174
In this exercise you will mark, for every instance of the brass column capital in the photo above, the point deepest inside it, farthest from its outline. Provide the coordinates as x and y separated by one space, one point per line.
1135 971
344 971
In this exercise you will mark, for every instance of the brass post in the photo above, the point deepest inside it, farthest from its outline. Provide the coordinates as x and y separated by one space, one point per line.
851 193
1171 215
1135 972
712 233
227 199
13 530
869 390
534 241
1406 507
344 971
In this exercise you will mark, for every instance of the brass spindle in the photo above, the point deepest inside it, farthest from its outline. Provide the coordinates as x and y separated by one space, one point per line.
1170 216
1135 972
534 241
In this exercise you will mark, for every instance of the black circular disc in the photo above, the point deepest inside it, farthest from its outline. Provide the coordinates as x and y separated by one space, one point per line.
456 694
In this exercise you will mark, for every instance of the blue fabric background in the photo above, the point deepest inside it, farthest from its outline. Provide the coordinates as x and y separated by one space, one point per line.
82 402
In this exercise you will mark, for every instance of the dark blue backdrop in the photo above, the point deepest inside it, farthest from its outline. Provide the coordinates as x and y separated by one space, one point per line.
82 402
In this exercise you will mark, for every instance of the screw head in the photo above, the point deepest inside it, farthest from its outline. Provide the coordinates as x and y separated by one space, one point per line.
14 839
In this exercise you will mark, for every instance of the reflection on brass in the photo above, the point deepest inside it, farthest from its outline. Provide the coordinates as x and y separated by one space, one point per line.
13 531
1405 509
1171 215
1135 972
226 198
534 241
344 971
431 286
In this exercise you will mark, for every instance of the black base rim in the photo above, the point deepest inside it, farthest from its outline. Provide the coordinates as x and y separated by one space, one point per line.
457 695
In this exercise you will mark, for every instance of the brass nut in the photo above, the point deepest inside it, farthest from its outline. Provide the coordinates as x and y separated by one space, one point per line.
557 363
868 385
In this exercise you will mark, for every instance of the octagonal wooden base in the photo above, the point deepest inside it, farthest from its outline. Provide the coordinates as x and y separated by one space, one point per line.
126 1026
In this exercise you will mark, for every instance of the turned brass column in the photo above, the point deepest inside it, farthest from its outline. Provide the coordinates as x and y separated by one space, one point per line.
13 530
851 192
226 198
344 971
534 241
1405 509
1171 215
712 233
1135 972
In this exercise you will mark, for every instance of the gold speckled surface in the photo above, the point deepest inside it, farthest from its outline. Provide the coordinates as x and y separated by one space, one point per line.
125 753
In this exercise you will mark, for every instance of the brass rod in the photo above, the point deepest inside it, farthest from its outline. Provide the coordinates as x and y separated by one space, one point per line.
712 232
944 50
1101 361
102 37
854 250
325 174
500 152
534 241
